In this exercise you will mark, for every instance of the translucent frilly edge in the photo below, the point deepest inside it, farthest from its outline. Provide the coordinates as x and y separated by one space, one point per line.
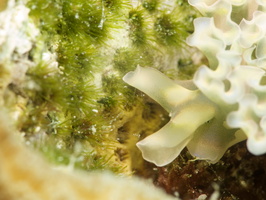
189 110
205 30
196 122
256 145
159 87
254 127
212 139
164 146
232 35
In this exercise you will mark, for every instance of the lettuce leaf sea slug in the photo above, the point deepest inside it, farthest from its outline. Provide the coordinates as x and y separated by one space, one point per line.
225 102
195 122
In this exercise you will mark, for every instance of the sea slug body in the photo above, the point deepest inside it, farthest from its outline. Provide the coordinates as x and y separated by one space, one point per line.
229 104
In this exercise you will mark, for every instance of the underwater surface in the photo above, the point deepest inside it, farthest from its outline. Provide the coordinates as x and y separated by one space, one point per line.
144 99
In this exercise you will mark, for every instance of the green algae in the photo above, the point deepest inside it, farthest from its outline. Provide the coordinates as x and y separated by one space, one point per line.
76 108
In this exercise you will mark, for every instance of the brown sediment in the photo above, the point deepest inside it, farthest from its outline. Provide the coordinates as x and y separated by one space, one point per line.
239 175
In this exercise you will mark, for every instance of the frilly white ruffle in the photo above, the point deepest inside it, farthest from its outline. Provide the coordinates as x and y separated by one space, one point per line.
230 103
236 70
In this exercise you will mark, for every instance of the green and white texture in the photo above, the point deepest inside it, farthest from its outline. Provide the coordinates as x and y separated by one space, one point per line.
225 103
62 64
